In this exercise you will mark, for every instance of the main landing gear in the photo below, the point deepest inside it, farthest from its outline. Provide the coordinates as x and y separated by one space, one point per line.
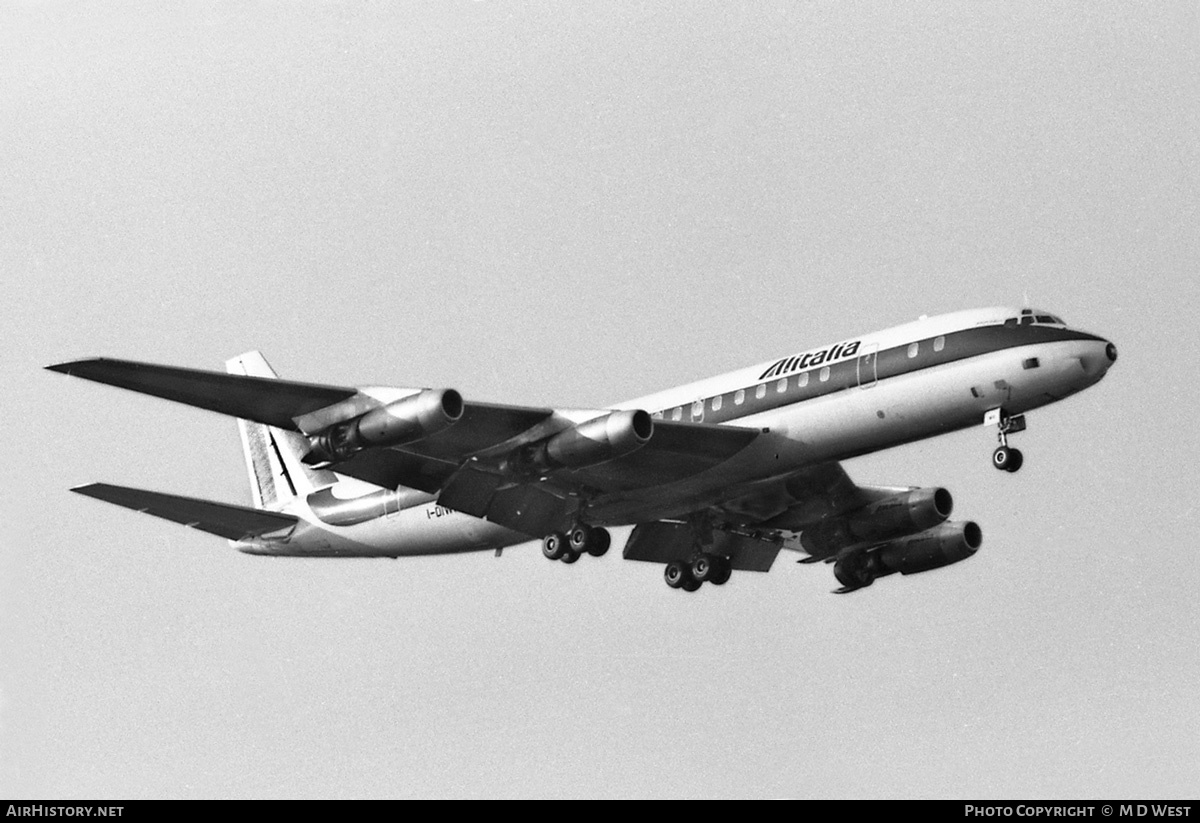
1006 458
703 568
581 539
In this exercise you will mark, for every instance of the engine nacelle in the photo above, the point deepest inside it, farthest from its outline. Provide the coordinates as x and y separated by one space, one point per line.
932 549
405 421
594 441
901 514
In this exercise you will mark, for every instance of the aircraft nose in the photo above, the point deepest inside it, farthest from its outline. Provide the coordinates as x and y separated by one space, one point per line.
1098 358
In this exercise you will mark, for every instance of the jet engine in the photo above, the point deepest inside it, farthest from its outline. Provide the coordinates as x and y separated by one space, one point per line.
594 441
901 514
931 549
405 421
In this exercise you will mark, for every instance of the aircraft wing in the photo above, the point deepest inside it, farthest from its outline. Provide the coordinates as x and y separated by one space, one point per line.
296 406
274 402
221 519
474 463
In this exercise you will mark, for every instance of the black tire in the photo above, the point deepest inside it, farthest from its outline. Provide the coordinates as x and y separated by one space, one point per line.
580 538
601 540
553 545
703 568
724 570
676 574
691 585
569 557
1015 459
1002 457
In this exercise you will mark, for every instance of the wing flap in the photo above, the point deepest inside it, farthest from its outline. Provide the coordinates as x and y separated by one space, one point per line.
664 542
265 400
221 519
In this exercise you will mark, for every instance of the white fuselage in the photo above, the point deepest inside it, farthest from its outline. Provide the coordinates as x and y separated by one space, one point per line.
828 403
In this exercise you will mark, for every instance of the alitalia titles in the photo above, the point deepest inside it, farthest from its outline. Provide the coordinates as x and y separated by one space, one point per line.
810 359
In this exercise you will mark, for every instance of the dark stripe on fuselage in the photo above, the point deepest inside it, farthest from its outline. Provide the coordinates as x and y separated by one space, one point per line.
893 362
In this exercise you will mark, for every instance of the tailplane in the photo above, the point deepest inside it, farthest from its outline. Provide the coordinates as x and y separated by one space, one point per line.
221 519
274 456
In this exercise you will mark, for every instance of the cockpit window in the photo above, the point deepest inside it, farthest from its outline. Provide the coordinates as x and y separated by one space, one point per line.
1045 318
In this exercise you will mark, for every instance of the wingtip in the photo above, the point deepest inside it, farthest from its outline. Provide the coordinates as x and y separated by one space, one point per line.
71 365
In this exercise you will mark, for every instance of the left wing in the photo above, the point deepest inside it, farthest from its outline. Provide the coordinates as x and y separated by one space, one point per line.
527 468
274 402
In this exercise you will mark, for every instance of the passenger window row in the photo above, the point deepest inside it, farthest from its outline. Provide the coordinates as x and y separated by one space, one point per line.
738 398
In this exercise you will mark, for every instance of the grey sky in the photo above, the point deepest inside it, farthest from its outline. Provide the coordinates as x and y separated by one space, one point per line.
571 205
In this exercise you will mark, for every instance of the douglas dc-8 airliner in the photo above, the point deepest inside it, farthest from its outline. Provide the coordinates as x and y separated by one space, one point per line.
716 476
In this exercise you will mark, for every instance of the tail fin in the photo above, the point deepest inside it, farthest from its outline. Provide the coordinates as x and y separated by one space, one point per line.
273 456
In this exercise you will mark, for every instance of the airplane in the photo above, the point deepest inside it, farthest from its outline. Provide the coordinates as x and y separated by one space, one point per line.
716 476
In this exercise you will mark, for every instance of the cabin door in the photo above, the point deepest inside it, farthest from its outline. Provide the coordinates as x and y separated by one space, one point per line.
868 369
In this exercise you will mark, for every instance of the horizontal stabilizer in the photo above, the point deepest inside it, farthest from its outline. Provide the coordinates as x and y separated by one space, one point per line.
221 519
263 399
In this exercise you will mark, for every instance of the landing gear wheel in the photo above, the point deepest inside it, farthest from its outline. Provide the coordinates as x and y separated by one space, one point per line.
569 557
554 545
1007 459
676 574
722 572
703 568
1015 459
691 585
601 540
580 538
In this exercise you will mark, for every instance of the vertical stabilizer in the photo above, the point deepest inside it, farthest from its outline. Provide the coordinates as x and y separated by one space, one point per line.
273 456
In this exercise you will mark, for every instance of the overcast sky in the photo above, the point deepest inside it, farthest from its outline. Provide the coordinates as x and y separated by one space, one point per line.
573 204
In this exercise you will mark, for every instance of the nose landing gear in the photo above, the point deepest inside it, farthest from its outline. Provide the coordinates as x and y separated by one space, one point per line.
1005 457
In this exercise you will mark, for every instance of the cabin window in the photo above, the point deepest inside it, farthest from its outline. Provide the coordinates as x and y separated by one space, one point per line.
913 348
781 386
802 380
824 374
677 413
1031 363
657 415
740 397
761 391
939 343
716 402
698 410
